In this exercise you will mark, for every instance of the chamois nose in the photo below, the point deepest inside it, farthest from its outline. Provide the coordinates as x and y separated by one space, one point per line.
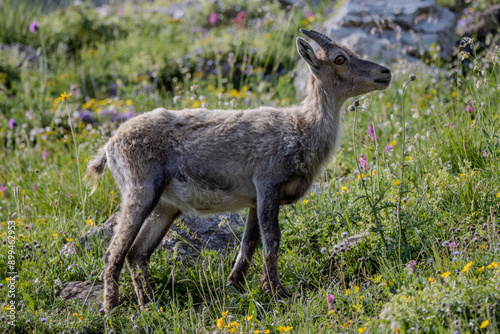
385 70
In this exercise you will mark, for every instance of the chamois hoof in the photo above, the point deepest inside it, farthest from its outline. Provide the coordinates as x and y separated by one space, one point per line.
276 291
238 284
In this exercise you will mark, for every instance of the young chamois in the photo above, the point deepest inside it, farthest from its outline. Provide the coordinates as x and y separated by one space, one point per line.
213 161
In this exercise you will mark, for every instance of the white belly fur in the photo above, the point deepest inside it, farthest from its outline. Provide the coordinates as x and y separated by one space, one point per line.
189 198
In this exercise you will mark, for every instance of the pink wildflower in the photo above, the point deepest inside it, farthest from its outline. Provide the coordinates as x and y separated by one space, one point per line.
12 123
214 18
34 26
371 133
485 154
363 163
388 148
331 302
240 19
413 266
3 190
45 154
469 108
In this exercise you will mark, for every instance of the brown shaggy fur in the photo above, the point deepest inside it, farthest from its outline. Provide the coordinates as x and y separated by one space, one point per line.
210 161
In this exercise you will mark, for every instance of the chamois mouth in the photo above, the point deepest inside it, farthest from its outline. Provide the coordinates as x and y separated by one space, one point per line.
383 81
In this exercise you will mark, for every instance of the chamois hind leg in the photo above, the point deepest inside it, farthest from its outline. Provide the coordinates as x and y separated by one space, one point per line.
249 242
137 204
268 203
149 237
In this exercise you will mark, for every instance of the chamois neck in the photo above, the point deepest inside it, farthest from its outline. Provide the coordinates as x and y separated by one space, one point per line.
322 104
321 116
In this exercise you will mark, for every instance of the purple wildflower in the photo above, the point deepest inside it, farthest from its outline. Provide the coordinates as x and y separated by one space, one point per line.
45 154
485 154
101 310
413 266
371 133
69 195
331 302
214 18
308 14
452 245
86 116
43 320
388 148
34 186
34 26
469 108
363 162
12 123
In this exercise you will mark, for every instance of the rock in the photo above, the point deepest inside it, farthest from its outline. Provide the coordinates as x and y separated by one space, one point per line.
187 237
386 29
86 292
20 54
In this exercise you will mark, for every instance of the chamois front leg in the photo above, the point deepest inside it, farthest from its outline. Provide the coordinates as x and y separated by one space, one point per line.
249 242
268 203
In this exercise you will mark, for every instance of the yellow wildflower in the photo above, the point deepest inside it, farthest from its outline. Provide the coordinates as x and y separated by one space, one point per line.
453 94
233 324
305 201
347 292
480 270
431 279
445 274
397 182
394 142
220 323
54 235
284 329
388 104
225 313
75 314
467 267
362 330
64 97
267 331
128 102
484 324
378 278
498 195
356 289
69 239
257 331
89 222
343 188
248 318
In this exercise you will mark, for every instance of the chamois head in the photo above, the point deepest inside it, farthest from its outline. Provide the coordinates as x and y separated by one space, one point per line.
339 68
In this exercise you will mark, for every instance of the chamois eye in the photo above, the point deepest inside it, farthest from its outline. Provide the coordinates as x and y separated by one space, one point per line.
339 60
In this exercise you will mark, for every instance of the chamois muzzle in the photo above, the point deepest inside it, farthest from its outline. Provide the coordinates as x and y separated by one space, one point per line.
385 77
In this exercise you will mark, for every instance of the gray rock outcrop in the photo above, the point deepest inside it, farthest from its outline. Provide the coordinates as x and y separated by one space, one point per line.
386 30
187 237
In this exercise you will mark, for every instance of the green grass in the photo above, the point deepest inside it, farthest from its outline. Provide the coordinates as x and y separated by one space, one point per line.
429 263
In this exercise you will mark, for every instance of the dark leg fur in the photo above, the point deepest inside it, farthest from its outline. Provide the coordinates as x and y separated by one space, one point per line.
148 239
134 210
268 201
251 238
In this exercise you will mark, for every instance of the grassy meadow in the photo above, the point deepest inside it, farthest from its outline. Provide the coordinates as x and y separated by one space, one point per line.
417 171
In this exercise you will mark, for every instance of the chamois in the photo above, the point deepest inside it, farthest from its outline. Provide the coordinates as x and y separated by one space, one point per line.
203 161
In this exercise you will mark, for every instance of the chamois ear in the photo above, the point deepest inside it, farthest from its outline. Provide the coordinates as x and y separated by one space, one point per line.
307 53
